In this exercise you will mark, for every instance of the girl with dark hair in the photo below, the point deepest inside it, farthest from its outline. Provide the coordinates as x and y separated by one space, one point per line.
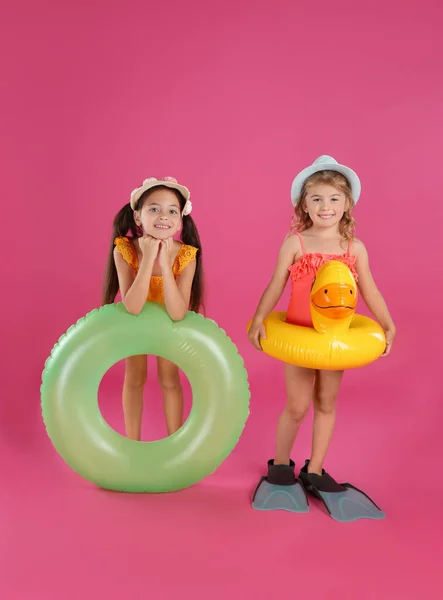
147 264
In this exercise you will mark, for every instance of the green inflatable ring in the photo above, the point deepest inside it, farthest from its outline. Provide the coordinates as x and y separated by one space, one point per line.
69 397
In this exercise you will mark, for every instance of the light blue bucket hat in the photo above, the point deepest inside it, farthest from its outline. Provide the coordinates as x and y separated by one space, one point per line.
325 163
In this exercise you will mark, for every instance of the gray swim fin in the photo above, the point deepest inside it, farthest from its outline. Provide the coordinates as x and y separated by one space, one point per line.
280 490
343 501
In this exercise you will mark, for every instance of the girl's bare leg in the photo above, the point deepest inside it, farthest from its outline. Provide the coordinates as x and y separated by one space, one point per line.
327 385
134 384
299 388
169 380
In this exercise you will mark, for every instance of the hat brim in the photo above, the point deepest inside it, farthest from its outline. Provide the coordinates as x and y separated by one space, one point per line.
350 175
151 184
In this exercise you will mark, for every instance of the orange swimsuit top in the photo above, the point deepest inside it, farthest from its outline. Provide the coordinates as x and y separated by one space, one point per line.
303 273
185 255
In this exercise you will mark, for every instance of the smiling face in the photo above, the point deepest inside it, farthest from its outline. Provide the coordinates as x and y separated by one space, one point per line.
160 215
325 201
325 204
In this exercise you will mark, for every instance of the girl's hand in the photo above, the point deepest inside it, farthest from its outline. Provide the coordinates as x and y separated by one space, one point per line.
389 335
165 254
149 247
256 332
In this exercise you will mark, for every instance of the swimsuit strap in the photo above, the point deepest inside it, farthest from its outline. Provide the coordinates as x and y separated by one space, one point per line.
349 247
301 241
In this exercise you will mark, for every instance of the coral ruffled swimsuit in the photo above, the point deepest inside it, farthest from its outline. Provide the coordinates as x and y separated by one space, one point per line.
303 273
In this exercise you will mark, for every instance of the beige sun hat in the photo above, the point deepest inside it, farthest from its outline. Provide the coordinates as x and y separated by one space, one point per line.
169 182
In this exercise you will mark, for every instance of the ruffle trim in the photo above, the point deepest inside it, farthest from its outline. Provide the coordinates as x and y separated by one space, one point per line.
310 263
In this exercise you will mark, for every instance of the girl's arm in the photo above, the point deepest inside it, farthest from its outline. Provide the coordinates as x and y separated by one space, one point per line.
288 253
177 292
134 289
372 296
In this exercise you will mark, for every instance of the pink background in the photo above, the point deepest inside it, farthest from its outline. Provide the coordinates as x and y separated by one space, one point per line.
232 98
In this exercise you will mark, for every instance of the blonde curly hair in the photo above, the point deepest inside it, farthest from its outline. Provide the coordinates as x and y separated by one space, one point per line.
347 224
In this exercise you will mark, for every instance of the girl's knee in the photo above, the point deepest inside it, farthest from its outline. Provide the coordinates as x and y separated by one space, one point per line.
169 381
135 376
168 375
325 403
299 384
135 381
297 408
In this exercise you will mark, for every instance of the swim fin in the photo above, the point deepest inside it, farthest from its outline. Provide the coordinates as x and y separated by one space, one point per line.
343 501
280 490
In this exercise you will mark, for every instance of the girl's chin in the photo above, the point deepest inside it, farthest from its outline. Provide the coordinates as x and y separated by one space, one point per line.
161 234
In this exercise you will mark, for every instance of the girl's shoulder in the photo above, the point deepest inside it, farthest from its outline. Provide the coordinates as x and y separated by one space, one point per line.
183 245
123 241
291 249
184 248
185 255
357 247
293 241
125 247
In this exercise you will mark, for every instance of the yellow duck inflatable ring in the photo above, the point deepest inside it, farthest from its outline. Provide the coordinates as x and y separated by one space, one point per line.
340 339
